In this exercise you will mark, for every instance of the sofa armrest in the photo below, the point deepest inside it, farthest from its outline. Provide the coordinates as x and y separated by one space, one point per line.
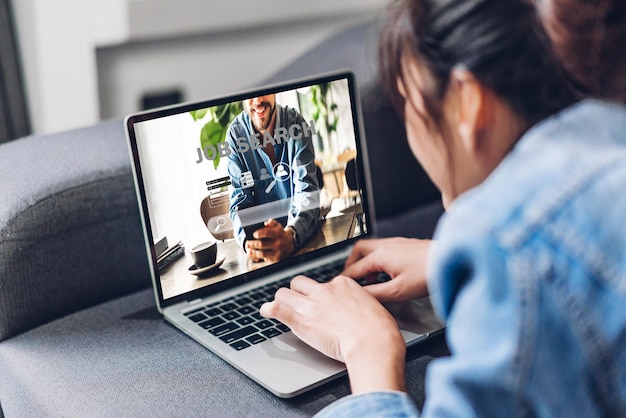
70 233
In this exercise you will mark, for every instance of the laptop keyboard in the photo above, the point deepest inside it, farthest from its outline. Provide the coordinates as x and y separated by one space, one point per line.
237 321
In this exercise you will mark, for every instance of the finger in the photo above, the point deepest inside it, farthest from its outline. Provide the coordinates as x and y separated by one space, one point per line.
255 255
384 292
254 249
397 290
366 266
271 226
271 222
268 255
258 234
303 285
361 249
263 244
284 306
268 232
269 309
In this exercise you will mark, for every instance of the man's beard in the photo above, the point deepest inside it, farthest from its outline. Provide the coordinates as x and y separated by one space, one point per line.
255 118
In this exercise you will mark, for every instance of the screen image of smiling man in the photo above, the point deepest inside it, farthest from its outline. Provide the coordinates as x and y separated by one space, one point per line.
273 178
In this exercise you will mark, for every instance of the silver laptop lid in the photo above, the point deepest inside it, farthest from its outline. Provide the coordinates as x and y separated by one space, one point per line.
204 173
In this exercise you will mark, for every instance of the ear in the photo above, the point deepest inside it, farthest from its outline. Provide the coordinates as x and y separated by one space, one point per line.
471 109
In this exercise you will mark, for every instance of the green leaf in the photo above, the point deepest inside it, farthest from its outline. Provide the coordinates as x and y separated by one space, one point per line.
235 109
198 114
212 133
223 114
227 112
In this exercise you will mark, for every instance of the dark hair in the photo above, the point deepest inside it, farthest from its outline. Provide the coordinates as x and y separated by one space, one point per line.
590 38
501 42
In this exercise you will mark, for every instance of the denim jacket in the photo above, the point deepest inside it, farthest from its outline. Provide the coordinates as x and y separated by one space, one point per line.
292 200
529 273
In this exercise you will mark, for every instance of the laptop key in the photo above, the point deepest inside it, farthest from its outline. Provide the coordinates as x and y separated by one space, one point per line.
239 334
240 345
243 301
269 294
283 327
363 282
224 329
213 322
228 306
258 296
231 315
272 287
264 324
378 278
213 312
383 277
245 320
246 310
198 317
271 332
255 339
257 316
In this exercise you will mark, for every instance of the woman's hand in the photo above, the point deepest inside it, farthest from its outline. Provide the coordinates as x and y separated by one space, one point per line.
345 322
403 259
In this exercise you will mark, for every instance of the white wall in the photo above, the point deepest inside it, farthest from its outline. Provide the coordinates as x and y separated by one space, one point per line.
58 58
90 59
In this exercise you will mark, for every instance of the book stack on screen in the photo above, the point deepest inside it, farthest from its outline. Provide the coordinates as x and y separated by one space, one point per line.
166 254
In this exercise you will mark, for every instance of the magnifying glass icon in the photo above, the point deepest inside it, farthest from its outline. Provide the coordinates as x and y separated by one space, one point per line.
281 173
220 223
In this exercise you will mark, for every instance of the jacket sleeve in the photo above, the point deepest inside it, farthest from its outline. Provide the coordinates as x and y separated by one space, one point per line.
373 404
305 207
473 288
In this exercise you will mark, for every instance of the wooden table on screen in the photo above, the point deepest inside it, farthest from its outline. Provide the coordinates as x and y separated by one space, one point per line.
176 278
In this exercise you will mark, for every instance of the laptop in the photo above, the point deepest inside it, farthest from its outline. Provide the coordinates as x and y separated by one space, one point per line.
187 181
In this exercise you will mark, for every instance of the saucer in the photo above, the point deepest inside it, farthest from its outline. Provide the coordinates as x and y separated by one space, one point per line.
204 270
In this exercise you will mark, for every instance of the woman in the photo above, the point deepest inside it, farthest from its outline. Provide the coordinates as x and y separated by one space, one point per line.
528 268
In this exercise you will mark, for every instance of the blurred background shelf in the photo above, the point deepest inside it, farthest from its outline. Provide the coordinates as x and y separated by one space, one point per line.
89 60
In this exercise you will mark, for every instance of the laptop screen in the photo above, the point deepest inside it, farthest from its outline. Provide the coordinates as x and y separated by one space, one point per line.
234 188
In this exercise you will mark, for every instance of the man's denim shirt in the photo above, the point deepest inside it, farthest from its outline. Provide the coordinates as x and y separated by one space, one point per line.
529 272
300 190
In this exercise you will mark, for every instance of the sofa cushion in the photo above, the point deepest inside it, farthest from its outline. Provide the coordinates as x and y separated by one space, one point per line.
70 233
121 359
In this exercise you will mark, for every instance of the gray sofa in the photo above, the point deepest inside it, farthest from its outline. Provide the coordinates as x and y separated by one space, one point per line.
79 331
